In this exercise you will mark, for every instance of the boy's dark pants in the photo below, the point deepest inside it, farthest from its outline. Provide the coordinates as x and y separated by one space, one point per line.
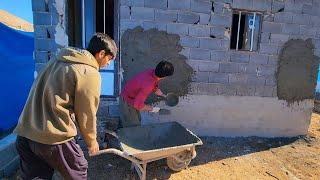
39 160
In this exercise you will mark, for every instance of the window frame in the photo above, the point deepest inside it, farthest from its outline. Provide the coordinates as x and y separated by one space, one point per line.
239 12
85 41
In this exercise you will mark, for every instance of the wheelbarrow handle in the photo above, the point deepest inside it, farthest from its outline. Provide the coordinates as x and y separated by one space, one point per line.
119 153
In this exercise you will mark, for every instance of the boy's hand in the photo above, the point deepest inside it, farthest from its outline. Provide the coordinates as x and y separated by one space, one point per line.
158 92
93 149
155 109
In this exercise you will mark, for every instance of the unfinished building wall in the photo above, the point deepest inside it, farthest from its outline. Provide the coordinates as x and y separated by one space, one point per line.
232 93
49 29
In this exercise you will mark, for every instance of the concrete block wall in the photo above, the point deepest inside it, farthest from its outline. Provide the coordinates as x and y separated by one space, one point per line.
204 28
49 29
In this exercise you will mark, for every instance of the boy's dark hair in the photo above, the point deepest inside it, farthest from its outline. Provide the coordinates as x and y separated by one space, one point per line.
101 41
164 69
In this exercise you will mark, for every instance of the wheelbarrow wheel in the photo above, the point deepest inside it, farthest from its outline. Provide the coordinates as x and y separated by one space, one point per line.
180 160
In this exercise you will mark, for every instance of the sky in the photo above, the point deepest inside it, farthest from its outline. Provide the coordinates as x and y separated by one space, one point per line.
20 8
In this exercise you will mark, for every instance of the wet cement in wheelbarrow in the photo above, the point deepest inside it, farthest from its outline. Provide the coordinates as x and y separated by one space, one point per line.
155 136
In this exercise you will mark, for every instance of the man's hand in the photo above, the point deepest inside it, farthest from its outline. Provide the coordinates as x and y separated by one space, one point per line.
93 149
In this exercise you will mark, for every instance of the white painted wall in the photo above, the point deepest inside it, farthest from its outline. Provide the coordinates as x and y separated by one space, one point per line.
238 116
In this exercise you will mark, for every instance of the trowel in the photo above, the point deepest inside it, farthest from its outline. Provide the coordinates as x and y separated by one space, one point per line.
171 100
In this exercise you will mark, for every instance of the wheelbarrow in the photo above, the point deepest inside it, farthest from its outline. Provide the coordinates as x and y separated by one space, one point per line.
147 143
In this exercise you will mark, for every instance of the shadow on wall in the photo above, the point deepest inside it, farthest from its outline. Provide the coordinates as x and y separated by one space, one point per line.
16 74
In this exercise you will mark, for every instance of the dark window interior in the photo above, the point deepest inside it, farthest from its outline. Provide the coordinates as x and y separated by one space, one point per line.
74 23
109 19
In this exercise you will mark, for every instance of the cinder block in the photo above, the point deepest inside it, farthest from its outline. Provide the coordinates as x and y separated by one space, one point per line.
39 67
291 6
271 49
201 6
218 31
199 31
245 90
204 18
256 58
273 60
219 20
262 5
44 45
201 77
188 41
212 89
255 80
268 70
41 31
138 3
265 37
39 6
238 78
188 17
199 54
239 57
42 18
194 64
291 29
42 56
151 24
271 27
271 81
159 4
185 52
142 13
303 19
264 91
220 56
277 38
128 24
309 31
124 12
177 28
179 5
222 78
225 44
126 2
166 16
229 67
207 89
309 9
209 43
227 90
283 17
242 4
208 66
315 20
276 6
114 111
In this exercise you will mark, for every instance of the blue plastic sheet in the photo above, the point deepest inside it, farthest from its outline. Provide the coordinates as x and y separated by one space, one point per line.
16 74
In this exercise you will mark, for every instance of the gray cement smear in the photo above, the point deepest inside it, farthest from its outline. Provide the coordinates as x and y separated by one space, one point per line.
297 71
145 49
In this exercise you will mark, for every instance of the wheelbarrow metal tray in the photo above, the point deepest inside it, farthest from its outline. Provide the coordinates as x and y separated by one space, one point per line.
155 141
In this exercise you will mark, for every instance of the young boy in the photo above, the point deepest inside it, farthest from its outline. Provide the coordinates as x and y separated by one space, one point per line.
63 97
136 91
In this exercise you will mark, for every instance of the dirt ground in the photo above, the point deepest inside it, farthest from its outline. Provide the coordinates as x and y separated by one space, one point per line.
230 158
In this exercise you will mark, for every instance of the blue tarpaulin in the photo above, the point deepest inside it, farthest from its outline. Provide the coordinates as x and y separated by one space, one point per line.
16 74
